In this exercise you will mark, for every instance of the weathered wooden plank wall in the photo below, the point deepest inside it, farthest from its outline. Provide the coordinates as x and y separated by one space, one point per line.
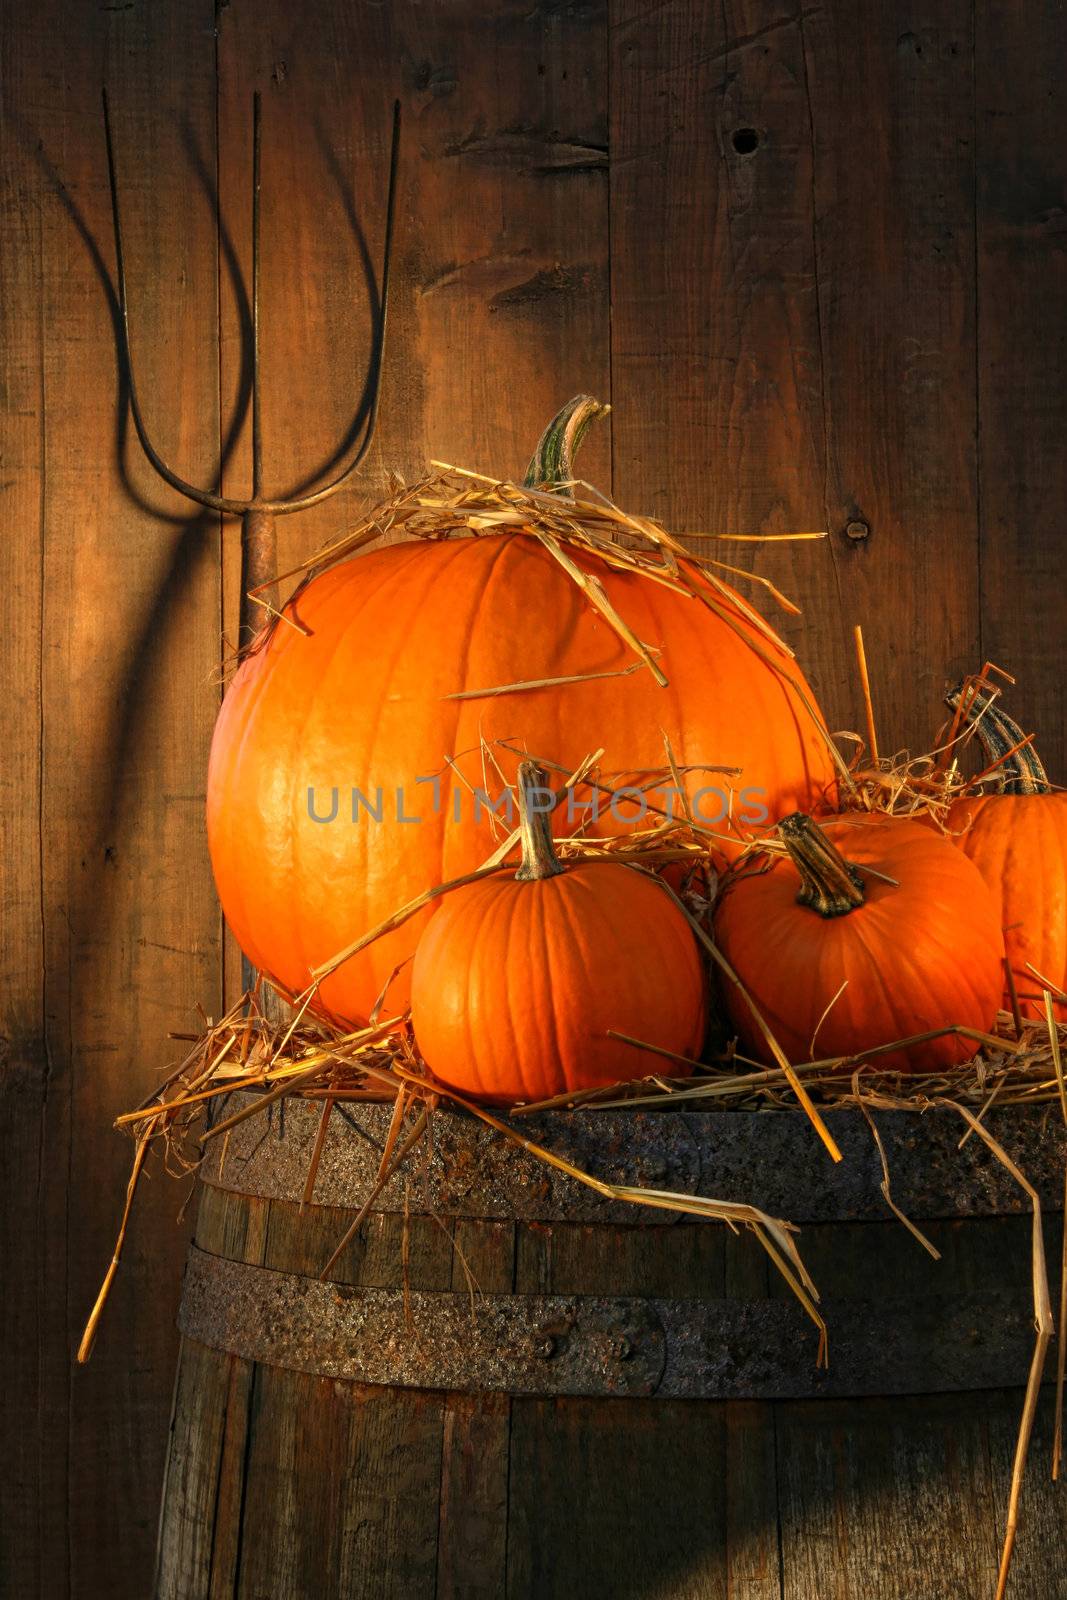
813 255
111 605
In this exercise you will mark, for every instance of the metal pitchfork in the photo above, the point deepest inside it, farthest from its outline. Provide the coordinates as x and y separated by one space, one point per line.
258 538
259 550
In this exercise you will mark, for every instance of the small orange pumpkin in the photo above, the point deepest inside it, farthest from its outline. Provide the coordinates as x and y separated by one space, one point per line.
517 980
1017 839
839 961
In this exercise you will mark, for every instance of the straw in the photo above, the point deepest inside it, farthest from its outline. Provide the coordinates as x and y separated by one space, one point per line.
865 685
88 1338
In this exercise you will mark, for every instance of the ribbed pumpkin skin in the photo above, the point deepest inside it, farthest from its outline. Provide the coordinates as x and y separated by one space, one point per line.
361 702
1018 842
925 955
515 985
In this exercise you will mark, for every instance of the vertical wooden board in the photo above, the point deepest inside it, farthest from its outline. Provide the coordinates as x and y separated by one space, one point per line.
891 105
716 363
226 1541
326 85
625 1498
748 1269
197 1434
413 1249
232 1225
473 1532
1038 1569
291 1527
499 307
1021 133
31 1485
684 1260
473 1538
121 699
239 1227
884 1499
508 231
391 1477
752 1554
483 1256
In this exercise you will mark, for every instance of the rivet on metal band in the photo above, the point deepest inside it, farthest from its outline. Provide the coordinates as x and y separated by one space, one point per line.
597 1345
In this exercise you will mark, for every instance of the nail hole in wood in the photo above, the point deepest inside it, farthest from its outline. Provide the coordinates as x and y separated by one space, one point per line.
745 140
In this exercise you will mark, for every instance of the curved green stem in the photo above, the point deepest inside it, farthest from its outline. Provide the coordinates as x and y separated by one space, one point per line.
1022 768
539 858
552 466
828 884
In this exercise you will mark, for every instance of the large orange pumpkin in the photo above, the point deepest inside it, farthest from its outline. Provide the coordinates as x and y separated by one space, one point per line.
1017 839
360 701
840 961
521 978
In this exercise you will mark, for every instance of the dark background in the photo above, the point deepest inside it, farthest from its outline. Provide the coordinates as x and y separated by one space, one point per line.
814 258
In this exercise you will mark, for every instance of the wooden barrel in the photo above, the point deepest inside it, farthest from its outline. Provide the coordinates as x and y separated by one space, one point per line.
510 1386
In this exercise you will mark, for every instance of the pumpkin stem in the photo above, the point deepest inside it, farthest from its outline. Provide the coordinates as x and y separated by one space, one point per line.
539 858
1003 742
828 884
553 460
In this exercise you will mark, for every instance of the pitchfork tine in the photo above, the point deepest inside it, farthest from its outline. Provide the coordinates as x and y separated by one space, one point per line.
379 352
202 497
257 432
257 512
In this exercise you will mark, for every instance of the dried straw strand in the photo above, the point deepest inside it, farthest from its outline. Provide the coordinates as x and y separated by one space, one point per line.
543 683
1044 1329
865 685
384 1176
88 1338
887 1195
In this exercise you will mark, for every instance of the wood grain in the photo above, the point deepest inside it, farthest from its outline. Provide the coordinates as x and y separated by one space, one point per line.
752 1553
891 100
113 929
368 1524
570 1258
626 1500
199 1429
717 368
33 1485
208 1447
1021 166
1043 1513
885 1500
499 308
802 357
472 1541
